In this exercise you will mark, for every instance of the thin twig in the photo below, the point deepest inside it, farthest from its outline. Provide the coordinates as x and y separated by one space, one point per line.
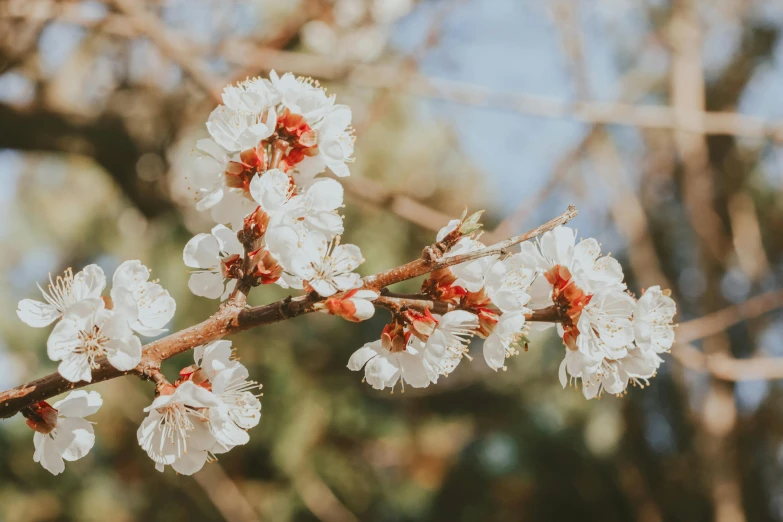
551 314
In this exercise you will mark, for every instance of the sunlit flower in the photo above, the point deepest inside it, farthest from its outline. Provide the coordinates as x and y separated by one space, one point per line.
176 432
87 332
335 145
146 305
214 357
383 368
652 320
448 343
62 293
311 208
216 255
502 341
558 248
239 408
470 275
508 284
61 433
327 267
251 95
302 96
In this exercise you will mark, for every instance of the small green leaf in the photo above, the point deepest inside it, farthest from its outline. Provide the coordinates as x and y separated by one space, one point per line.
471 224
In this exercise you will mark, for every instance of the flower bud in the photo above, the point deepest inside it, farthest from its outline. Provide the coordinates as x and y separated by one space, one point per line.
193 373
488 320
254 159
471 223
355 305
394 337
256 223
422 324
264 266
440 285
478 299
41 417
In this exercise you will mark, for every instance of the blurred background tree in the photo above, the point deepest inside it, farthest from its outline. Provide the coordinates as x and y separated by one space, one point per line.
661 120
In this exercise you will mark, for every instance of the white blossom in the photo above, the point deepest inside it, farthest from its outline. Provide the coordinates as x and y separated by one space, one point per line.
605 326
71 437
384 368
211 254
176 432
335 144
472 274
617 353
652 320
327 267
302 96
448 343
208 183
252 95
237 130
508 284
501 343
146 305
239 408
312 208
232 210
605 375
63 293
589 270
214 357
87 332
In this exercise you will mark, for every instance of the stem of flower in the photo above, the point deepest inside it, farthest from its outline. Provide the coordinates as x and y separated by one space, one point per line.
550 314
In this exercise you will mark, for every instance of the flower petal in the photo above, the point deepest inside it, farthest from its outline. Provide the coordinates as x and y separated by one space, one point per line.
206 284
360 357
82 440
36 313
79 403
202 251
127 352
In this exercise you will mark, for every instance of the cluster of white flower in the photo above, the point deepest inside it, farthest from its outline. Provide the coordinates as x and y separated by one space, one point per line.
206 412
278 223
90 327
491 295
611 339
257 175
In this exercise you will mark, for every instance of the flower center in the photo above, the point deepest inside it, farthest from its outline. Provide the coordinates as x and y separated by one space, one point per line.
175 426
93 344
60 294
231 266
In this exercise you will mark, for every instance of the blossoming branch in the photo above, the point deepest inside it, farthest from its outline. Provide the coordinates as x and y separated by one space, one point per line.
278 222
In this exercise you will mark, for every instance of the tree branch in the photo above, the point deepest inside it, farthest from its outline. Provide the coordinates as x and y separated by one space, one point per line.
550 314
232 318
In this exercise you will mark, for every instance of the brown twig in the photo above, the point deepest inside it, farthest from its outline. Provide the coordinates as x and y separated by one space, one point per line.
231 319
551 314
426 264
